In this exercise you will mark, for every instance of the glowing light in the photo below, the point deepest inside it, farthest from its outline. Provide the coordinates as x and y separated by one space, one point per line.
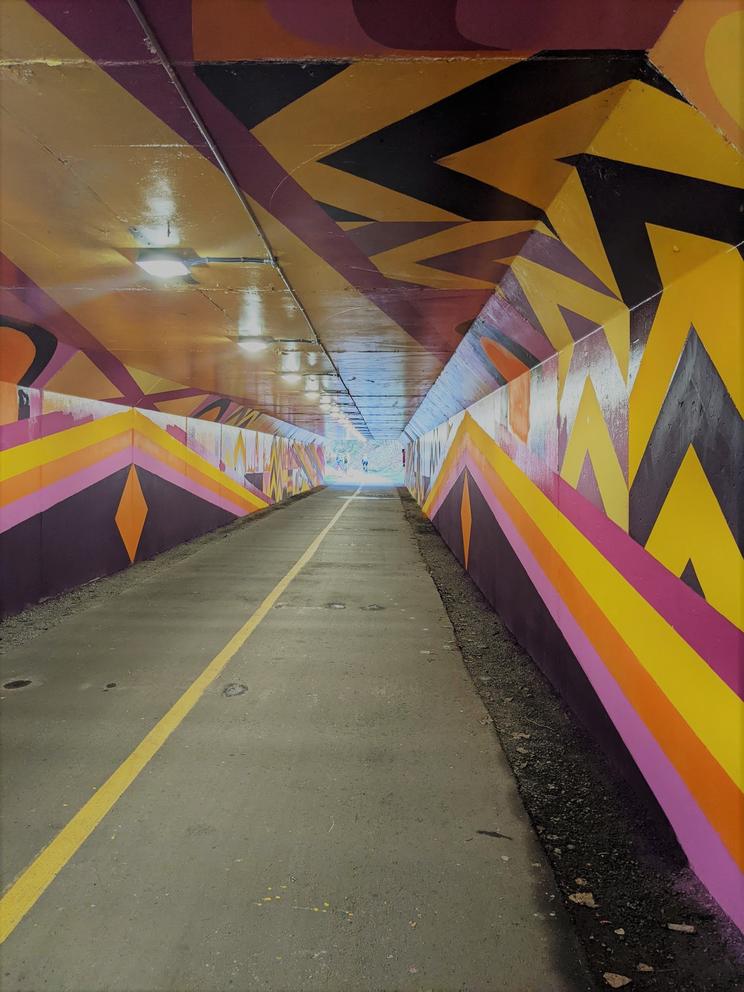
254 345
162 268
291 361
291 377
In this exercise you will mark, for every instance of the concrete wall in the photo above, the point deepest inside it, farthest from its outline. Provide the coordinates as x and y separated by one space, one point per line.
88 487
596 501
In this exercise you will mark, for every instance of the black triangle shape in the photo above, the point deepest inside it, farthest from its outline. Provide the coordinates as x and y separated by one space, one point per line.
255 91
689 577
336 213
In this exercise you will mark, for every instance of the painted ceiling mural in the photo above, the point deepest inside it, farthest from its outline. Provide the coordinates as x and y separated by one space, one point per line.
455 192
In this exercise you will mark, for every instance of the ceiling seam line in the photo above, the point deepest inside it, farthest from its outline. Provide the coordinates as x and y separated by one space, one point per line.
227 172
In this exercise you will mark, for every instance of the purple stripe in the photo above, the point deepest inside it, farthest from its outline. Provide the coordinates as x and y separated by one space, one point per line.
332 23
256 171
712 636
49 314
109 29
28 506
708 855
504 317
19 432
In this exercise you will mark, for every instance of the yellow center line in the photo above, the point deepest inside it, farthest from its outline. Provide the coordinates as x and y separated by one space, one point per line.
36 878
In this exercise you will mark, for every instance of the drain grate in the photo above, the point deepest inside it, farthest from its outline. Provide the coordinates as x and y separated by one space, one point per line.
16 684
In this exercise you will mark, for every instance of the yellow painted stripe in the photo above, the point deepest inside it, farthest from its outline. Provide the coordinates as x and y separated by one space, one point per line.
37 877
143 425
710 708
36 453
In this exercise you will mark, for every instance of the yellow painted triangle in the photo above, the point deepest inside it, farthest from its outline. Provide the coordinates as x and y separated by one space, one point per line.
80 377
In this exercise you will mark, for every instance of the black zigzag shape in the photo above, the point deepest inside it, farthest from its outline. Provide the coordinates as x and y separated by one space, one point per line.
255 91
404 155
43 341
624 198
698 411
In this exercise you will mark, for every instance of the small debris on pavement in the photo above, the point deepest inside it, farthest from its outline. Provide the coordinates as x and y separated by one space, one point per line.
583 899
645 967
620 932
581 881
681 927
615 981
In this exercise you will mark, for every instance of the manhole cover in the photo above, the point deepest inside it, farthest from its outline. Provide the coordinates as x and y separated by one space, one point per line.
336 606
234 689
373 606
16 684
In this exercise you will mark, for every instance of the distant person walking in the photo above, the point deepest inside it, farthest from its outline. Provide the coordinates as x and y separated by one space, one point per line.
365 464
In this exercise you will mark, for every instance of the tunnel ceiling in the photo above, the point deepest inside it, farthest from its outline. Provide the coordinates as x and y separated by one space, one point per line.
427 175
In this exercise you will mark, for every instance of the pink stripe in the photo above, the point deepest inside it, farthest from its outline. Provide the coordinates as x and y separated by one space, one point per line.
718 642
154 465
23 431
28 506
707 853
715 638
19 432
41 500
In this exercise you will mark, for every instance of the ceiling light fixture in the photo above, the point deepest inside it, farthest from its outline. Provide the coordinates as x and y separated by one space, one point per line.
162 266
170 263
253 345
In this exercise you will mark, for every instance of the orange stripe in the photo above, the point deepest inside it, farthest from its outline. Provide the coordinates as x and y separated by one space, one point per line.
715 792
38 478
507 364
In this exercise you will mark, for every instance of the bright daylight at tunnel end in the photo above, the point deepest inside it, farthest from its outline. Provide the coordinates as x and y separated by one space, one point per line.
371 467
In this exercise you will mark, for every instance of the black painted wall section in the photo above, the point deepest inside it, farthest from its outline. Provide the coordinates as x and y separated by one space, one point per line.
77 540
71 543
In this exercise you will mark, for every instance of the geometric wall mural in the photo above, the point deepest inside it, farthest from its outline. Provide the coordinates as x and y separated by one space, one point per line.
594 491
88 487
596 501
516 239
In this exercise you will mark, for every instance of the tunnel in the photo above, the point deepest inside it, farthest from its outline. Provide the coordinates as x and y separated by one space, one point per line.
371 461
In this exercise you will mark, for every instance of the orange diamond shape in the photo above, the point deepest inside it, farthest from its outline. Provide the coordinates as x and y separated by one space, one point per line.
466 519
131 514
